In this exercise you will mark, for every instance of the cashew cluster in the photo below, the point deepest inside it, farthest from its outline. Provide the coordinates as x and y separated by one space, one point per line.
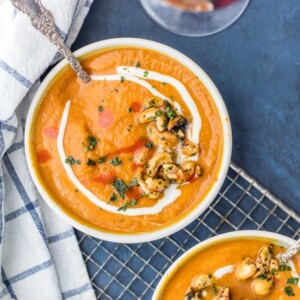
201 284
166 130
261 272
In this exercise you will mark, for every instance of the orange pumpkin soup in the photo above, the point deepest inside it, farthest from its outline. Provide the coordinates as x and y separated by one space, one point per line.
239 269
134 150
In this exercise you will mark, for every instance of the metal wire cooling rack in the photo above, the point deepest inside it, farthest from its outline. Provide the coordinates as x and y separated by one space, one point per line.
120 271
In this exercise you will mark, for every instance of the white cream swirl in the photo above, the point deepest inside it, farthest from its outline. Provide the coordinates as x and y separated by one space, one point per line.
134 75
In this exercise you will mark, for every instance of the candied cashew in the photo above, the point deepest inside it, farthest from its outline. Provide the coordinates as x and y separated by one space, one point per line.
189 148
246 269
164 139
201 281
176 123
157 161
186 171
156 184
155 102
154 114
140 174
142 155
223 294
263 286
170 171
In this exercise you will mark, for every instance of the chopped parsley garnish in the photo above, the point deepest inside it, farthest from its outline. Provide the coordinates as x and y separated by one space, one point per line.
130 109
158 113
149 145
171 114
124 207
72 161
164 83
146 73
102 159
120 187
283 268
100 108
122 79
289 291
293 280
134 182
113 198
138 64
133 202
92 143
91 162
262 276
115 161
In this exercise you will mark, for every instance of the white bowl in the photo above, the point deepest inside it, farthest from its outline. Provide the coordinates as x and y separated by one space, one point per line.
277 239
227 142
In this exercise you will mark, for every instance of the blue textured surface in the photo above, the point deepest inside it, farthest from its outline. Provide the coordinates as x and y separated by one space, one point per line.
255 63
130 272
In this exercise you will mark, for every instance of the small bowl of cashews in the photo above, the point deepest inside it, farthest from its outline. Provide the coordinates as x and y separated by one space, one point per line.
242 265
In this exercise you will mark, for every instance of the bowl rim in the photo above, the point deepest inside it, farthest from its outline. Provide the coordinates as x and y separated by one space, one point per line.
224 164
281 239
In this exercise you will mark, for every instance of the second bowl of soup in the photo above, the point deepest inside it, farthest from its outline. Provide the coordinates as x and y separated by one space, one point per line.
242 265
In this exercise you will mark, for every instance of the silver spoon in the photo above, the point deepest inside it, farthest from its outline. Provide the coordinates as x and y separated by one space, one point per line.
289 253
44 23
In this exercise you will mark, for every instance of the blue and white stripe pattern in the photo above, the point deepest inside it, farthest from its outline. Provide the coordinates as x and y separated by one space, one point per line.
39 253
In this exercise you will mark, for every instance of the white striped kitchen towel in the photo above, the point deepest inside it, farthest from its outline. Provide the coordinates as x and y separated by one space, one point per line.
39 253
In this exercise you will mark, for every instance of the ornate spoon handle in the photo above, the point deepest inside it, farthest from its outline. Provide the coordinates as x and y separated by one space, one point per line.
289 253
45 24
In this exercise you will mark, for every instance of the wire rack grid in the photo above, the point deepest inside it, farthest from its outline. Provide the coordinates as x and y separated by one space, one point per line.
132 271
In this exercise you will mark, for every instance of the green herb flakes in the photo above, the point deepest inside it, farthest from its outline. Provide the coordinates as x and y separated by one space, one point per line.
164 83
113 198
72 161
134 182
283 268
146 73
171 114
130 109
91 162
123 207
100 108
102 159
120 187
288 290
149 145
293 280
92 143
115 161
138 65
122 79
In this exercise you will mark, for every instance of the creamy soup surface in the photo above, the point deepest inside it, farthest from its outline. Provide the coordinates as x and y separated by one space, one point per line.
225 270
92 144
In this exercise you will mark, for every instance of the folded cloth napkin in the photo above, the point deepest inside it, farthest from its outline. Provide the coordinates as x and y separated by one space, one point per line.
39 253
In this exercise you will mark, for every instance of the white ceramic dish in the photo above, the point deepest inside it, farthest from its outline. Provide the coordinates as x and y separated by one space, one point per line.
277 238
143 237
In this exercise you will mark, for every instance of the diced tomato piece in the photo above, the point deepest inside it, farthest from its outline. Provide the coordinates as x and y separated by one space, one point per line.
105 178
43 156
136 106
133 192
105 118
51 132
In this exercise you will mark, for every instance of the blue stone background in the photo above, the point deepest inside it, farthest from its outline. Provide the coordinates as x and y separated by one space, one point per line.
255 63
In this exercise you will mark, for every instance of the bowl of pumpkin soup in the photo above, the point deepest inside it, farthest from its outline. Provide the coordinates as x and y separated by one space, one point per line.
137 153
242 265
